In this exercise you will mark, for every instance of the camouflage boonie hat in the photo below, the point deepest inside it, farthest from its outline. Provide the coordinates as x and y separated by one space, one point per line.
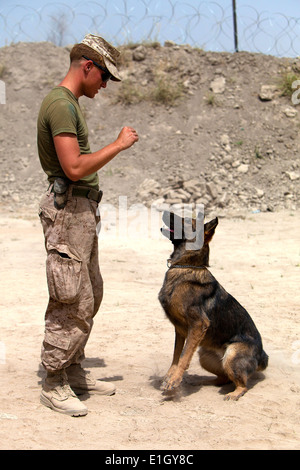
107 51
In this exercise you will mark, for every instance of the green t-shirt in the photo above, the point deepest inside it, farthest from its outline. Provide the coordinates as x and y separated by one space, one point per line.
60 112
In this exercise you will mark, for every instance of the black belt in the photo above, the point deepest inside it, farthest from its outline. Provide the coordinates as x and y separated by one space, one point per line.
90 193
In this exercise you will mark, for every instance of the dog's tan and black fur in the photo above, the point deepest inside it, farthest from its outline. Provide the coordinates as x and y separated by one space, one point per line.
205 315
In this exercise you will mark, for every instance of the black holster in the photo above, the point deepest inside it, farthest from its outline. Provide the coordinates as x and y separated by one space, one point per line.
60 189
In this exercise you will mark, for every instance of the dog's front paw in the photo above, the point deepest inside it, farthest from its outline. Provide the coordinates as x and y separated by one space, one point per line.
170 383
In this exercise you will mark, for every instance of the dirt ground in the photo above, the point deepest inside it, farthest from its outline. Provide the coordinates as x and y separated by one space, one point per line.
255 257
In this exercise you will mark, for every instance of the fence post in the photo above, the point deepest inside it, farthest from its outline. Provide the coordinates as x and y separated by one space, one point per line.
236 46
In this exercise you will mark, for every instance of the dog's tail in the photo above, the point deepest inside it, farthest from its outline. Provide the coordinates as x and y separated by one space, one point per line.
263 361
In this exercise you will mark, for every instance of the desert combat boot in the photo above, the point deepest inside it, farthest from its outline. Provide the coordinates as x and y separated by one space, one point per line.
58 395
81 381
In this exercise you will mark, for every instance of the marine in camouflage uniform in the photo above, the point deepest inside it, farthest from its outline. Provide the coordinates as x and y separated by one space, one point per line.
69 216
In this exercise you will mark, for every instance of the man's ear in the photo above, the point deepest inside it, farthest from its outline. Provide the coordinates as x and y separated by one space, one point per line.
87 66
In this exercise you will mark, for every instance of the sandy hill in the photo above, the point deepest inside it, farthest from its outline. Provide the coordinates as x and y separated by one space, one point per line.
213 127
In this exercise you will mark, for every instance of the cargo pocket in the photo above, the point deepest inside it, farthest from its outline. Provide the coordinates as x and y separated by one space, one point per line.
57 340
63 276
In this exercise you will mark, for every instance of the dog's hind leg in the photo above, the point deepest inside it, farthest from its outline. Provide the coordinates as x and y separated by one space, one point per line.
239 363
212 362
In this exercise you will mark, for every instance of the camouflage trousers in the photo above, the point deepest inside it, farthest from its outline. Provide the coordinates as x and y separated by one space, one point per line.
74 280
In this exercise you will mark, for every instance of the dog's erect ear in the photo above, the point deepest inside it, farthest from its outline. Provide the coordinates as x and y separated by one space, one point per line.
174 232
194 231
198 223
166 218
209 229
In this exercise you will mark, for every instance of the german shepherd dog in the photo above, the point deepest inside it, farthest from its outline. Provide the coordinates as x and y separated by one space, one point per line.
205 315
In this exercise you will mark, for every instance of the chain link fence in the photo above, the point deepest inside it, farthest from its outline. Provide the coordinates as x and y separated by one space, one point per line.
208 25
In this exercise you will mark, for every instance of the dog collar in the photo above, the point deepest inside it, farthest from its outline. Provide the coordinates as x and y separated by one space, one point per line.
183 265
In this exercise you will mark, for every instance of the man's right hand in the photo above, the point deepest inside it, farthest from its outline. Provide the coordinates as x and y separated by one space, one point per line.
127 137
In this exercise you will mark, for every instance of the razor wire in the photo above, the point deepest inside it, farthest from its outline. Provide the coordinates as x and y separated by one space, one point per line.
207 25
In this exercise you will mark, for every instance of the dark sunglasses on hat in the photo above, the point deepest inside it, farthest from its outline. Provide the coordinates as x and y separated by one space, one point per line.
106 75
